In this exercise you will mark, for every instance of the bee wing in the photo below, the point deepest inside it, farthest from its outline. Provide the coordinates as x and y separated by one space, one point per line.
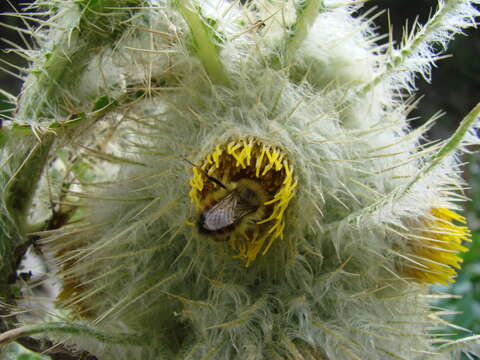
244 208
225 213
221 215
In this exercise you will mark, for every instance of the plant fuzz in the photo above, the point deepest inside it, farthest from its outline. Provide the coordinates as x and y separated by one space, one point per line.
311 220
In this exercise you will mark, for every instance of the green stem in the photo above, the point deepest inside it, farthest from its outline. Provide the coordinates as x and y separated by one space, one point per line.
205 47
397 62
450 146
19 190
16 196
72 329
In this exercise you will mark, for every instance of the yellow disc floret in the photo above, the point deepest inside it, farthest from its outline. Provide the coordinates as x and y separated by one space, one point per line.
263 170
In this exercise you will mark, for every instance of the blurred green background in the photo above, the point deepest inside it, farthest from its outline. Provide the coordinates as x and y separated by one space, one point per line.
455 89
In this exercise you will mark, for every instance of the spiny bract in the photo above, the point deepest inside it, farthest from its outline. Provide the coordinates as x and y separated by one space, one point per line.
294 124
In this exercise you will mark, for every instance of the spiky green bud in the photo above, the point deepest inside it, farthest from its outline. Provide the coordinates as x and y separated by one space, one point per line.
309 218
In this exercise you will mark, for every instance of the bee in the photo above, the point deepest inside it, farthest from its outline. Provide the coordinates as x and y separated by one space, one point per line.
227 208
222 216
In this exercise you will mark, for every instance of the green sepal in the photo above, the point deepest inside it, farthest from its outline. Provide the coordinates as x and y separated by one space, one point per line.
205 41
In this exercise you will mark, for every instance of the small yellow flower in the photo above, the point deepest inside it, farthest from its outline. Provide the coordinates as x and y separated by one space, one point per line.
252 167
435 251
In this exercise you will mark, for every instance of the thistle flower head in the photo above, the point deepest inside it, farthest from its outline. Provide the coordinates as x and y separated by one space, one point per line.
255 167
311 216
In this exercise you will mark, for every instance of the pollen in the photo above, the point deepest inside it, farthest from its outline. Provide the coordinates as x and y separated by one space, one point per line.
266 172
435 252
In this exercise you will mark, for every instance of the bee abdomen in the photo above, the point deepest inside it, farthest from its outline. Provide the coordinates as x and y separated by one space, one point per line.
221 216
212 221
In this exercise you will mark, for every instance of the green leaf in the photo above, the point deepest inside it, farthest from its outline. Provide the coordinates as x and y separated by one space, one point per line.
104 103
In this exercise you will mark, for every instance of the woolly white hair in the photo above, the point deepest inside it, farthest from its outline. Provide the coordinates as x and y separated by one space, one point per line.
132 87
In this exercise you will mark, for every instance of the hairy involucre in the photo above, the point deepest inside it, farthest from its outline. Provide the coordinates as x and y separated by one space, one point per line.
292 101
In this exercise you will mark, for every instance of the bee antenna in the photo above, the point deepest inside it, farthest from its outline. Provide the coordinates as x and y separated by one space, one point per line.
211 178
